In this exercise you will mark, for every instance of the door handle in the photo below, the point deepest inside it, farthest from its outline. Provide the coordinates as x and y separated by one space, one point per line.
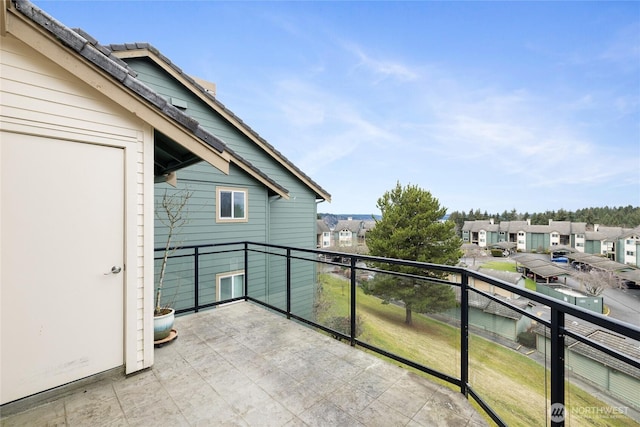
114 270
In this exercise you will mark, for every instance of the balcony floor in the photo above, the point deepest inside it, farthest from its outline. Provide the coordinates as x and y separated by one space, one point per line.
241 365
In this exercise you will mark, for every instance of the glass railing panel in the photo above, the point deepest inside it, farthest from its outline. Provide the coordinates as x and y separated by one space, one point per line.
268 275
411 317
332 299
508 347
304 284
600 389
221 273
178 282
505 368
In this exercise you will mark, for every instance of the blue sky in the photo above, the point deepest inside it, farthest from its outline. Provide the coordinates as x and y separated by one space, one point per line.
495 106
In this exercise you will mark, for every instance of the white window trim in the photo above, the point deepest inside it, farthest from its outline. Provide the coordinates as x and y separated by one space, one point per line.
219 217
221 276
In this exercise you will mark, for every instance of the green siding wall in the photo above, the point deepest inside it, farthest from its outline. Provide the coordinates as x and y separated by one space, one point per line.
588 368
279 221
625 387
492 237
498 325
165 85
593 247
538 241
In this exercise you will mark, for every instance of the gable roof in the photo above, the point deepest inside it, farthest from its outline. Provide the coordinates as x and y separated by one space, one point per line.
146 50
630 233
116 80
352 225
322 226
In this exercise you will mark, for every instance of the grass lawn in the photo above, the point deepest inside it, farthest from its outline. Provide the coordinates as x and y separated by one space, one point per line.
511 383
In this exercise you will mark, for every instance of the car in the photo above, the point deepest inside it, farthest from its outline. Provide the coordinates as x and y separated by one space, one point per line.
630 284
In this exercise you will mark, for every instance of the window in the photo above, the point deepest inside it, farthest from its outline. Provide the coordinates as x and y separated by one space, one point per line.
631 253
229 285
345 237
232 204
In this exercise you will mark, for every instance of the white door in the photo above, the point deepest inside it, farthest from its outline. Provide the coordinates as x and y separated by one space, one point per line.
62 231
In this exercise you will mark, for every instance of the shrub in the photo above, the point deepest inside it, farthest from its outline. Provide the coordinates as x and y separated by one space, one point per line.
527 339
497 252
342 324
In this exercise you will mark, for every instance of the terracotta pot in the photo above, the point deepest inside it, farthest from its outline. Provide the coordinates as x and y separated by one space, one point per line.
163 323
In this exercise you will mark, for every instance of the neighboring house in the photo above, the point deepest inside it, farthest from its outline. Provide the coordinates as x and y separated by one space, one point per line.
515 279
83 140
605 372
493 317
614 242
278 205
482 233
324 235
346 233
601 240
629 247
352 234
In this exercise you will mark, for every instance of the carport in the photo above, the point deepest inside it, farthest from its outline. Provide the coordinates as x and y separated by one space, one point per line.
540 268
621 271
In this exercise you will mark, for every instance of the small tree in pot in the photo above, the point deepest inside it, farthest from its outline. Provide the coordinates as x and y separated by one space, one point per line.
172 212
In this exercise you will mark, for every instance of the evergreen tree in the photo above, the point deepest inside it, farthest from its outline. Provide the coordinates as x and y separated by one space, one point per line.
410 229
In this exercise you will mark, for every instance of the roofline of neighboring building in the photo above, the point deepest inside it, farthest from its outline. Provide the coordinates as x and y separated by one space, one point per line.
479 225
146 50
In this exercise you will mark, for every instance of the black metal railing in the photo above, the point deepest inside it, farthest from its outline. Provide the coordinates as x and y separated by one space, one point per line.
270 279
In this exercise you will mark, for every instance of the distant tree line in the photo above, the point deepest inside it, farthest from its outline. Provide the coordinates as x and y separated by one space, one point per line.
627 216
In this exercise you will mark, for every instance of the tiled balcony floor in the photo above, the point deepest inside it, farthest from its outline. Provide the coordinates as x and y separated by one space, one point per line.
241 365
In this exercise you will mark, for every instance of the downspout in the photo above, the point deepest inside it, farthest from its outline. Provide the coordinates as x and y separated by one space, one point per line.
267 266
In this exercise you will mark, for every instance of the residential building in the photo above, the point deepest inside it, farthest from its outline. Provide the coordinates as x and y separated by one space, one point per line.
347 233
628 248
85 140
277 200
616 243
324 235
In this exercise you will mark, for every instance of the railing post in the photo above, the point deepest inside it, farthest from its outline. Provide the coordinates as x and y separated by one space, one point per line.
464 334
288 283
353 301
196 278
246 271
558 410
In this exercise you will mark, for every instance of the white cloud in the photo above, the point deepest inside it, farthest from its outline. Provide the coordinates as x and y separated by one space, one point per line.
381 69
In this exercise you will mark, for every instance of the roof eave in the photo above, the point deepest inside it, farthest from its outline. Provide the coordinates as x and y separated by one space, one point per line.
53 40
145 50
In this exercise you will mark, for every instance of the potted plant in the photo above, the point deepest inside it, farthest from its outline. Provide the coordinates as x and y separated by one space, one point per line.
172 213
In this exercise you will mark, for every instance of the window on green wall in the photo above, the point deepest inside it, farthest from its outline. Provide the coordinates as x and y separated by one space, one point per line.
229 285
231 204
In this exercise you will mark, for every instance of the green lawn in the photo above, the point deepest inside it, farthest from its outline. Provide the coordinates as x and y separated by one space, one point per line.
511 383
